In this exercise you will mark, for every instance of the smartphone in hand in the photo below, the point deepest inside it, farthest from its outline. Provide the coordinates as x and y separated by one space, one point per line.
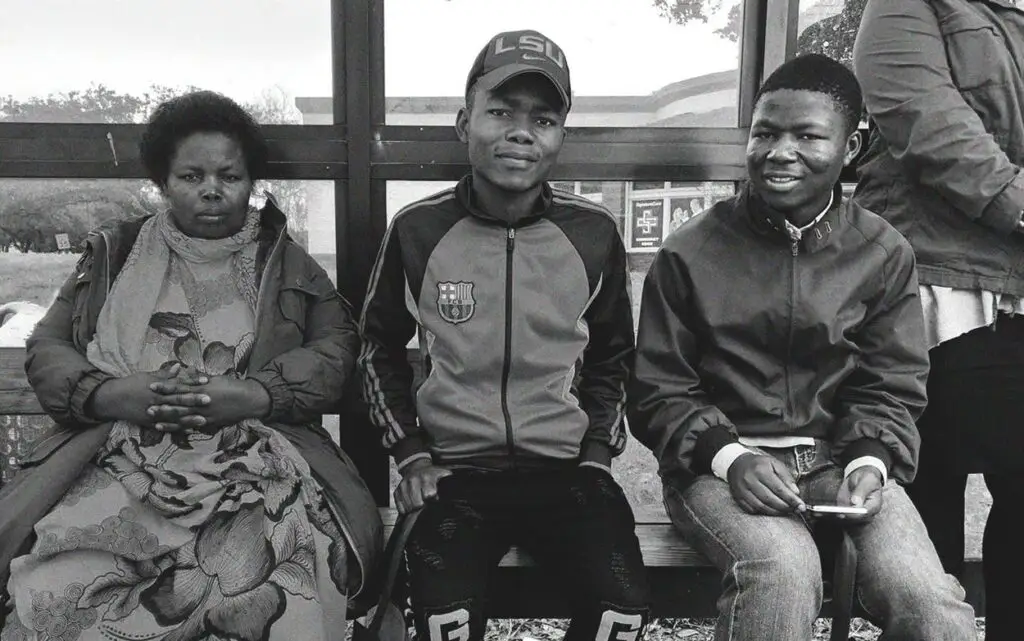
837 509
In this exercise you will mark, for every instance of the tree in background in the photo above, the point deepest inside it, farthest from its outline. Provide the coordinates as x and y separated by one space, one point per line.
832 36
686 11
32 212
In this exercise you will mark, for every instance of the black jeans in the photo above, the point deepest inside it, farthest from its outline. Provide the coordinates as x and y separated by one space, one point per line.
576 521
939 497
973 423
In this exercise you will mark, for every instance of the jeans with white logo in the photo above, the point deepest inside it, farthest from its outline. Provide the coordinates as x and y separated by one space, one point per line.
576 521
772 588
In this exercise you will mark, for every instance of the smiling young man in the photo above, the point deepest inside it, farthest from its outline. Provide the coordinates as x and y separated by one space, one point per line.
519 297
781 364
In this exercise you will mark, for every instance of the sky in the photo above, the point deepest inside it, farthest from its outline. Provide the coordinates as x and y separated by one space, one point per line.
245 47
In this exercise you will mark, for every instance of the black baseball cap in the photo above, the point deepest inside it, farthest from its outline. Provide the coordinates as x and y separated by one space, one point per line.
513 53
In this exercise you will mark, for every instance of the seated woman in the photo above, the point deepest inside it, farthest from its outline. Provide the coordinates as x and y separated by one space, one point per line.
193 351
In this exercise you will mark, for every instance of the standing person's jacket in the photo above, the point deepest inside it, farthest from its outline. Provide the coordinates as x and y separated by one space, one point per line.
822 338
306 342
526 330
943 83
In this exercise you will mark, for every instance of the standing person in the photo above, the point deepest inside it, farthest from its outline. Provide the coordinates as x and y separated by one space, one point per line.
187 361
519 295
943 83
780 364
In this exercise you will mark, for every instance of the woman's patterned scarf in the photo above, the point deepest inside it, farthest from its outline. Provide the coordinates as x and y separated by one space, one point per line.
117 347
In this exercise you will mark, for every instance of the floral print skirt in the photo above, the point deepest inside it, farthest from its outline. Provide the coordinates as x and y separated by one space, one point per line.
185 536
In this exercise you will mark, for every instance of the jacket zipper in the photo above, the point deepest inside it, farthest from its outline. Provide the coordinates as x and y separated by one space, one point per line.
263 276
510 245
795 251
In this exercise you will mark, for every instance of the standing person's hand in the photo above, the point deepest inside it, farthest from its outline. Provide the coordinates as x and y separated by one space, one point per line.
762 485
224 400
419 485
862 488
129 398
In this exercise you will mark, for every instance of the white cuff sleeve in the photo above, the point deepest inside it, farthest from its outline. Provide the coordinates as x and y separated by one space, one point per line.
724 458
413 458
597 465
873 461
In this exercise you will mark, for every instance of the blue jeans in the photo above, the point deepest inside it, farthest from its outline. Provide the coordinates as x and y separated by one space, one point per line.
772 586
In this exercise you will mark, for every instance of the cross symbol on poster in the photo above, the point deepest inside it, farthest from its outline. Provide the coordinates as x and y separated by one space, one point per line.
646 222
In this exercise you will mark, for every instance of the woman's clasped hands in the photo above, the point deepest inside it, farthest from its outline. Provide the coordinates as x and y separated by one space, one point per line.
177 397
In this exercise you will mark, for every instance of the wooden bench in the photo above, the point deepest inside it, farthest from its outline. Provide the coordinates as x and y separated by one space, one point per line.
683 583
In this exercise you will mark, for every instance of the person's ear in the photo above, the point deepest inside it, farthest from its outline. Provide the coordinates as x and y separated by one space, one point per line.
853 143
462 124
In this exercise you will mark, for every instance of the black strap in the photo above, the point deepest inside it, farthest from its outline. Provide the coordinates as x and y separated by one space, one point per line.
393 554
843 585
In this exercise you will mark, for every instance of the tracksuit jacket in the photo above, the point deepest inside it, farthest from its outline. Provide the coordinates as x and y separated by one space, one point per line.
526 330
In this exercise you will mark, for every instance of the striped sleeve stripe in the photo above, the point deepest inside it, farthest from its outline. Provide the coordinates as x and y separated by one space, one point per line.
617 434
379 411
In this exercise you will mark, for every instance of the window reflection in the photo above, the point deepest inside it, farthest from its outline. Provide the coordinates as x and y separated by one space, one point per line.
829 27
635 63
112 61
43 223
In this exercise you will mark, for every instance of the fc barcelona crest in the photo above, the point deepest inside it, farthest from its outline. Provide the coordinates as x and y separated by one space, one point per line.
455 301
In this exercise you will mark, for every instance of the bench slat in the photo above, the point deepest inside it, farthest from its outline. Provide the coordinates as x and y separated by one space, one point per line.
660 544
16 397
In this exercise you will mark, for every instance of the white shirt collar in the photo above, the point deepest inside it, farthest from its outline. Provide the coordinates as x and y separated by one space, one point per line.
797 232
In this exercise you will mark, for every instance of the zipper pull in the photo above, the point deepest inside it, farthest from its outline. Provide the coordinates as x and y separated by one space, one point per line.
795 247
510 245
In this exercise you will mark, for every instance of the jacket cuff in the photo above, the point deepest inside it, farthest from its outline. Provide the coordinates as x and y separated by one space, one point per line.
82 394
1003 212
868 447
708 444
281 396
408 449
596 452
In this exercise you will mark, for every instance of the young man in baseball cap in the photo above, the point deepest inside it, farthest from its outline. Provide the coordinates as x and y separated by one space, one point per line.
519 296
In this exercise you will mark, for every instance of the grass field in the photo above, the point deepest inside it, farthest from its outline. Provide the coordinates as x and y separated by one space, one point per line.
35 278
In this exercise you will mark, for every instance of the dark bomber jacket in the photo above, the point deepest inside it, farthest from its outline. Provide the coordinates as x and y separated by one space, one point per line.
743 333
527 330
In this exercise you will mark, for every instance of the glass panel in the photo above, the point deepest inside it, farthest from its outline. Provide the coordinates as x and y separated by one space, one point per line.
653 213
112 61
43 222
659 63
829 27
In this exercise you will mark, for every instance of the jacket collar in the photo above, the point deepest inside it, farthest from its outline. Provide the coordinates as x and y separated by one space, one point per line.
464 194
772 223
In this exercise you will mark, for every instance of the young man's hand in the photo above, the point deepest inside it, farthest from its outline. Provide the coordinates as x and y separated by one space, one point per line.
419 485
862 488
762 485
